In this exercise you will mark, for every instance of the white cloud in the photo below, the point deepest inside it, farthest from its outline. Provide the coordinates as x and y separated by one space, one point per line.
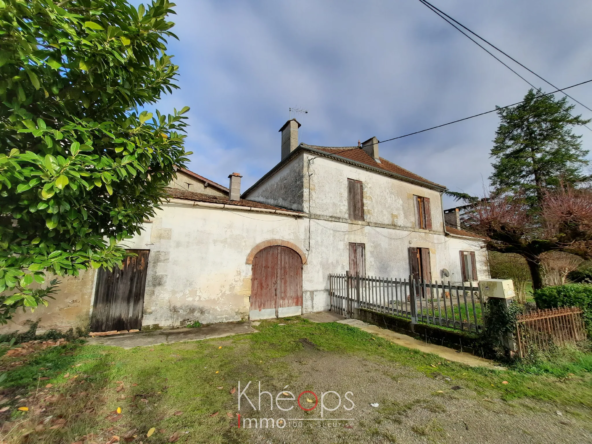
362 69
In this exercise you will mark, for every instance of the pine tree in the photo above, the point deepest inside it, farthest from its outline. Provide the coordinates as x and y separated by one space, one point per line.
535 148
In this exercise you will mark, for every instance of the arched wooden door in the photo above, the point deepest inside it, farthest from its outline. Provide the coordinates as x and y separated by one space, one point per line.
276 289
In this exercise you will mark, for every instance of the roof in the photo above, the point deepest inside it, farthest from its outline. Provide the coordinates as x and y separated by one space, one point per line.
457 232
203 179
357 154
221 200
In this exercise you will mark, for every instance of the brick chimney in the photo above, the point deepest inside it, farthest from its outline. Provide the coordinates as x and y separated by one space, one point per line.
371 147
235 190
289 137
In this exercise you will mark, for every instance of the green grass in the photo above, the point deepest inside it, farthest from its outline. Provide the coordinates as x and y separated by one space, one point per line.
185 377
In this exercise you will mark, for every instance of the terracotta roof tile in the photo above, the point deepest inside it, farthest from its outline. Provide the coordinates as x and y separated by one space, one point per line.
457 232
359 155
200 197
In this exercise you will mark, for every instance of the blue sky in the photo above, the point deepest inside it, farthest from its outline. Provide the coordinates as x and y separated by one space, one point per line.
362 69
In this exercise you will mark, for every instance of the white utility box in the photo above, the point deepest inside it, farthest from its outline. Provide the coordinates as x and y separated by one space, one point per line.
497 288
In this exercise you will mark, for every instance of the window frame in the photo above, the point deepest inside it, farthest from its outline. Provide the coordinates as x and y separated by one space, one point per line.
423 212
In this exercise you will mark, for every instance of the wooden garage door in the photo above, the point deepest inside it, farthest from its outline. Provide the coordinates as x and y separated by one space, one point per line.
276 289
119 295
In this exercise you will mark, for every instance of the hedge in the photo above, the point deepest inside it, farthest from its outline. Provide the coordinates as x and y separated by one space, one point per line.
570 295
584 275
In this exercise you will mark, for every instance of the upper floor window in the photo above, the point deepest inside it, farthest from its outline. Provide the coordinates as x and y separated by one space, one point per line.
355 199
423 213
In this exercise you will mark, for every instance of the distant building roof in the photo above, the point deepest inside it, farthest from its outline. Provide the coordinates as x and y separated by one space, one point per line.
222 200
457 232
208 181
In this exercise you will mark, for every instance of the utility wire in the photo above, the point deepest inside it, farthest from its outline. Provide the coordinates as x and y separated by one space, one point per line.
480 114
448 19
478 44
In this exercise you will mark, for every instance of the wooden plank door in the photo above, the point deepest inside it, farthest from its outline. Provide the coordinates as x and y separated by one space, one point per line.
119 295
276 288
289 283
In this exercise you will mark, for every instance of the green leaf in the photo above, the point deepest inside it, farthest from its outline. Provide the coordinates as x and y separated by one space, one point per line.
47 194
83 66
145 116
109 188
54 63
75 148
4 57
62 181
22 187
14 152
26 280
93 25
34 79
52 223
50 162
41 124
36 240
125 40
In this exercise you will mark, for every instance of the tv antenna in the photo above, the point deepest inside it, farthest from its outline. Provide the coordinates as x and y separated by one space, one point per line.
296 111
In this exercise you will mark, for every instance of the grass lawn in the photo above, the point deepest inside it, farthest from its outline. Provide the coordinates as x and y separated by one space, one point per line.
187 392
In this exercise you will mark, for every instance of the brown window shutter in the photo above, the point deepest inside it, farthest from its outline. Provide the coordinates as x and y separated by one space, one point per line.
360 200
426 269
474 265
428 213
352 259
361 259
463 272
351 191
418 217
413 262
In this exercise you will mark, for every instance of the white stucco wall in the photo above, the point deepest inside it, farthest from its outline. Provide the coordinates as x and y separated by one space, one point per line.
198 271
284 188
387 201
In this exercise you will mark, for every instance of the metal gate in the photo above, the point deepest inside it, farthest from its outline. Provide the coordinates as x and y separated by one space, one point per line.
277 283
119 295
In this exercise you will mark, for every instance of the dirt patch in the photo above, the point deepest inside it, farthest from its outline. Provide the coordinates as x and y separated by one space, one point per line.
394 403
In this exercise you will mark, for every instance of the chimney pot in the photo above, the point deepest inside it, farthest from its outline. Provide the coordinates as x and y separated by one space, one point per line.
370 146
235 186
289 137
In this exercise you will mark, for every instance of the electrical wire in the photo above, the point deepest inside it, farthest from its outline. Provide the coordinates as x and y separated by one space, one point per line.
478 115
478 44
448 18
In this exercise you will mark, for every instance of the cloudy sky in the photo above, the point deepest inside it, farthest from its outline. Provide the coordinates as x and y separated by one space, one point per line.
366 68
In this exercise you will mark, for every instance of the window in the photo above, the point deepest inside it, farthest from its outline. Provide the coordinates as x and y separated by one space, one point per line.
357 259
468 266
355 199
419 264
423 213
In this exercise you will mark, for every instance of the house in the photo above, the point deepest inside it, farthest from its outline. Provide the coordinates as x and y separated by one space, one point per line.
216 254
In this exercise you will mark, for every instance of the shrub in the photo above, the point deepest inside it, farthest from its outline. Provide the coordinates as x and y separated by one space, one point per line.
584 275
570 295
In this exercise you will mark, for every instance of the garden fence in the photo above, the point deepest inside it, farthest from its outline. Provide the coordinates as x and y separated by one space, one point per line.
456 306
541 329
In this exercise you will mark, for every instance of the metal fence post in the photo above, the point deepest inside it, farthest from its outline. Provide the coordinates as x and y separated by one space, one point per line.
347 296
357 291
412 298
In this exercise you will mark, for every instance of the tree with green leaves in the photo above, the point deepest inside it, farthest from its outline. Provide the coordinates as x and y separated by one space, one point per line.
540 202
535 148
82 163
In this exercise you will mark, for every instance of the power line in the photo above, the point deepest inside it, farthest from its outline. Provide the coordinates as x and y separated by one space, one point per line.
478 44
481 114
448 19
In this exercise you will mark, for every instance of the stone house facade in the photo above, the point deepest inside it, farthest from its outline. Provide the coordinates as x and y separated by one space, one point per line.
215 254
